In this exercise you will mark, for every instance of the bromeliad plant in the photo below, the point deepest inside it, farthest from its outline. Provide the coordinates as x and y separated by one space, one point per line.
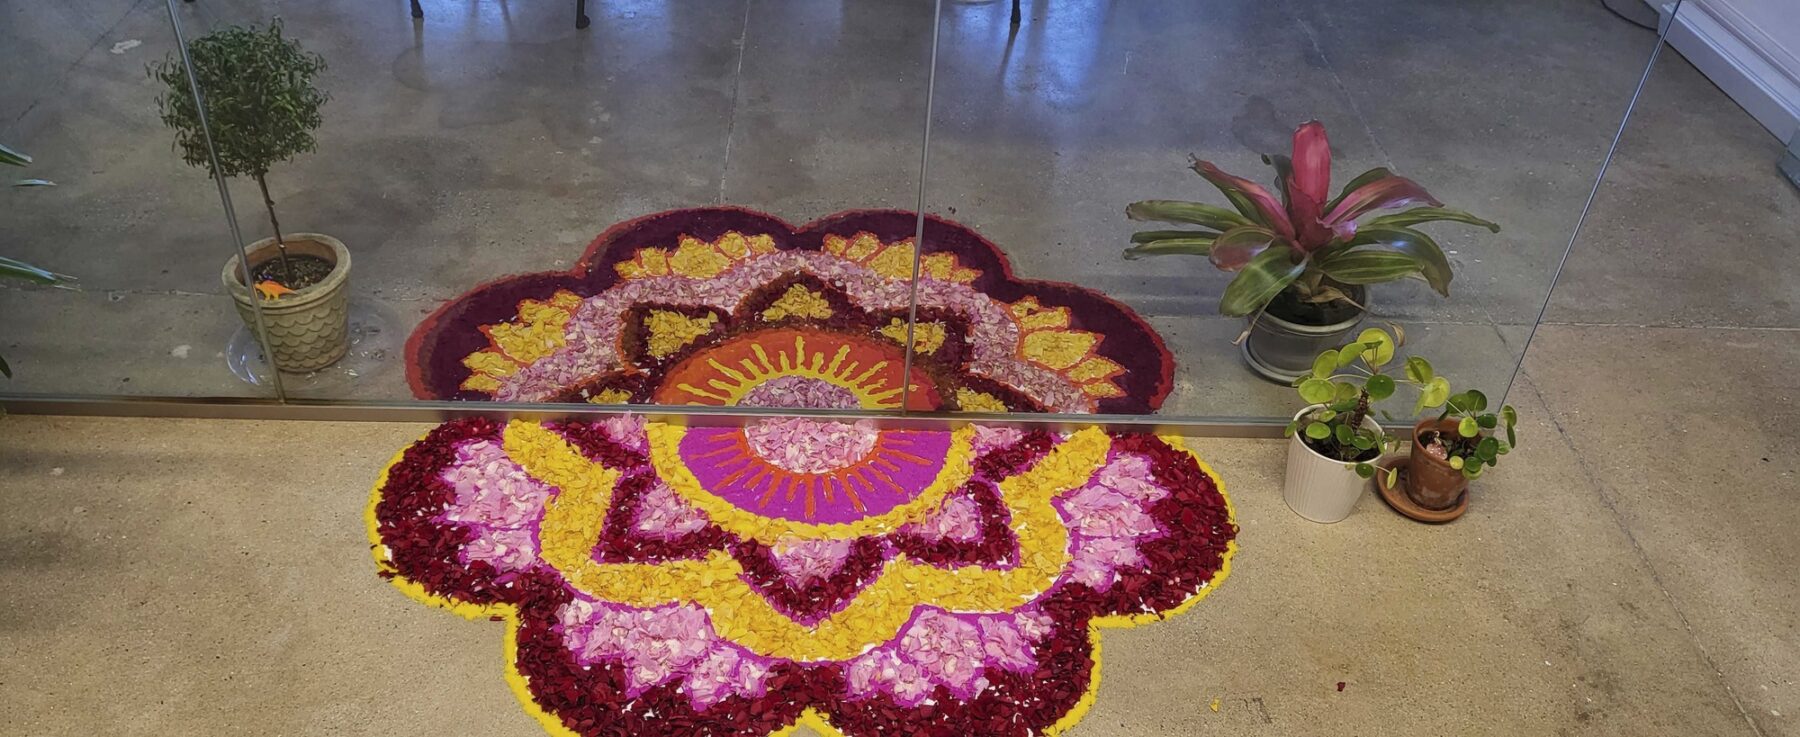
260 100
1307 241
1348 381
13 268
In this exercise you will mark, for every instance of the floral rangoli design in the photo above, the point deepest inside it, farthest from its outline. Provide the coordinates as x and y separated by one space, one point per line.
713 305
853 578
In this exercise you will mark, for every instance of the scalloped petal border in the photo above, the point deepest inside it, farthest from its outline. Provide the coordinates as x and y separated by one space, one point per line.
436 347
810 718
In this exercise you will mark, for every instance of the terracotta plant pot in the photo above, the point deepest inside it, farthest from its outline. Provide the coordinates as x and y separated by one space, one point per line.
310 328
1430 481
1317 487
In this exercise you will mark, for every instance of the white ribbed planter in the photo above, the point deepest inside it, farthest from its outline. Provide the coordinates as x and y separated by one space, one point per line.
1318 488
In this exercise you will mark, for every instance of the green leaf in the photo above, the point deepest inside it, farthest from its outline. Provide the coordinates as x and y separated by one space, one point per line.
1264 277
1325 364
1409 218
1393 476
1433 265
1435 392
1325 415
1318 431
1288 432
1317 391
1380 386
1347 392
1418 370
1348 354
1362 442
1192 213
14 269
1343 433
1170 247
34 183
9 156
1487 422
1365 470
1488 449
1369 265
1456 462
1472 473
1381 347
1477 400
1467 427
1150 236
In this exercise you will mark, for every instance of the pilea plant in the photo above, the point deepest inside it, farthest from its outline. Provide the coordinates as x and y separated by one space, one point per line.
1348 381
1473 448
260 102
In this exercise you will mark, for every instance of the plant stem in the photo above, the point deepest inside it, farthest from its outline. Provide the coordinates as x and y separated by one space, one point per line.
1360 413
287 269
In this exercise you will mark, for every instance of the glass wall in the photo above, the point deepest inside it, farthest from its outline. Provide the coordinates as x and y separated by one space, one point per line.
688 202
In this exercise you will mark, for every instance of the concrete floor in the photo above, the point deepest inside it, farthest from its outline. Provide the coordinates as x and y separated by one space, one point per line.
1627 572
492 139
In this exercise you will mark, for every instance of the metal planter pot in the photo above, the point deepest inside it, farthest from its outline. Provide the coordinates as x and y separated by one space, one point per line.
1282 350
309 329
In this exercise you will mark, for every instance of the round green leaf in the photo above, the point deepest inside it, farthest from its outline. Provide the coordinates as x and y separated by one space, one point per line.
1318 431
1380 386
1317 391
1487 421
1365 470
1418 370
1436 391
1477 400
1456 462
1488 448
1362 442
1343 433
1288 432
1468 428
1382 350
1325 364
1347 392
1325 415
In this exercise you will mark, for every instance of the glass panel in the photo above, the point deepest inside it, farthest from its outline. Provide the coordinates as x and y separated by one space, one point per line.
142 311
1044 132
645 176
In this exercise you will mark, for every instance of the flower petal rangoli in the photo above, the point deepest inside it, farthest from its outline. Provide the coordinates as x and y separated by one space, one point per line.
662 579
709 305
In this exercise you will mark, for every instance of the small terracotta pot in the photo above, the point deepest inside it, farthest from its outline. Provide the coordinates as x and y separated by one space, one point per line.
1430 481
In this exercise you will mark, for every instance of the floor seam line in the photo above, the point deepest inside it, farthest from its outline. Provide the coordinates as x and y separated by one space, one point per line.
1600 490
1674 326
1343 89
737 86
63 76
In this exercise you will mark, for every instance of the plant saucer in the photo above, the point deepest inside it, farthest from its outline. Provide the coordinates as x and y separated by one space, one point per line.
1396 497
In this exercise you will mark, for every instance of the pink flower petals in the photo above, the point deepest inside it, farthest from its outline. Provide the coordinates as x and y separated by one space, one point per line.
800 445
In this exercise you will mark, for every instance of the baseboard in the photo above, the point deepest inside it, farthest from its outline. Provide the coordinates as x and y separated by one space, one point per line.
1734 63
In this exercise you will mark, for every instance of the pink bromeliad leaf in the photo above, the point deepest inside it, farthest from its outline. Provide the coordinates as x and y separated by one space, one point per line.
1312 164
1253 199
1384 193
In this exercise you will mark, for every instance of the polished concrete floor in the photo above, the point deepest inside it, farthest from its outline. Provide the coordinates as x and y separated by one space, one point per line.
493 138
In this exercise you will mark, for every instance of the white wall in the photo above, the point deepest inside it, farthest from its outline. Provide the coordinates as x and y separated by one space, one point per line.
1751 49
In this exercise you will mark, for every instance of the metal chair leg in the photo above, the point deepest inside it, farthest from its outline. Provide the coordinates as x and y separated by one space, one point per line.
581 18
1015 13
417 11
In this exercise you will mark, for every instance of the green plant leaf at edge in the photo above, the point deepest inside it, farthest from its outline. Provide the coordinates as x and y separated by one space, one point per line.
1417 215
1170 247
1264 277
1192 213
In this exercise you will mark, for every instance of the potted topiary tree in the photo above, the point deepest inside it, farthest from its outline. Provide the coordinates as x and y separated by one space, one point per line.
262 109
1303 263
